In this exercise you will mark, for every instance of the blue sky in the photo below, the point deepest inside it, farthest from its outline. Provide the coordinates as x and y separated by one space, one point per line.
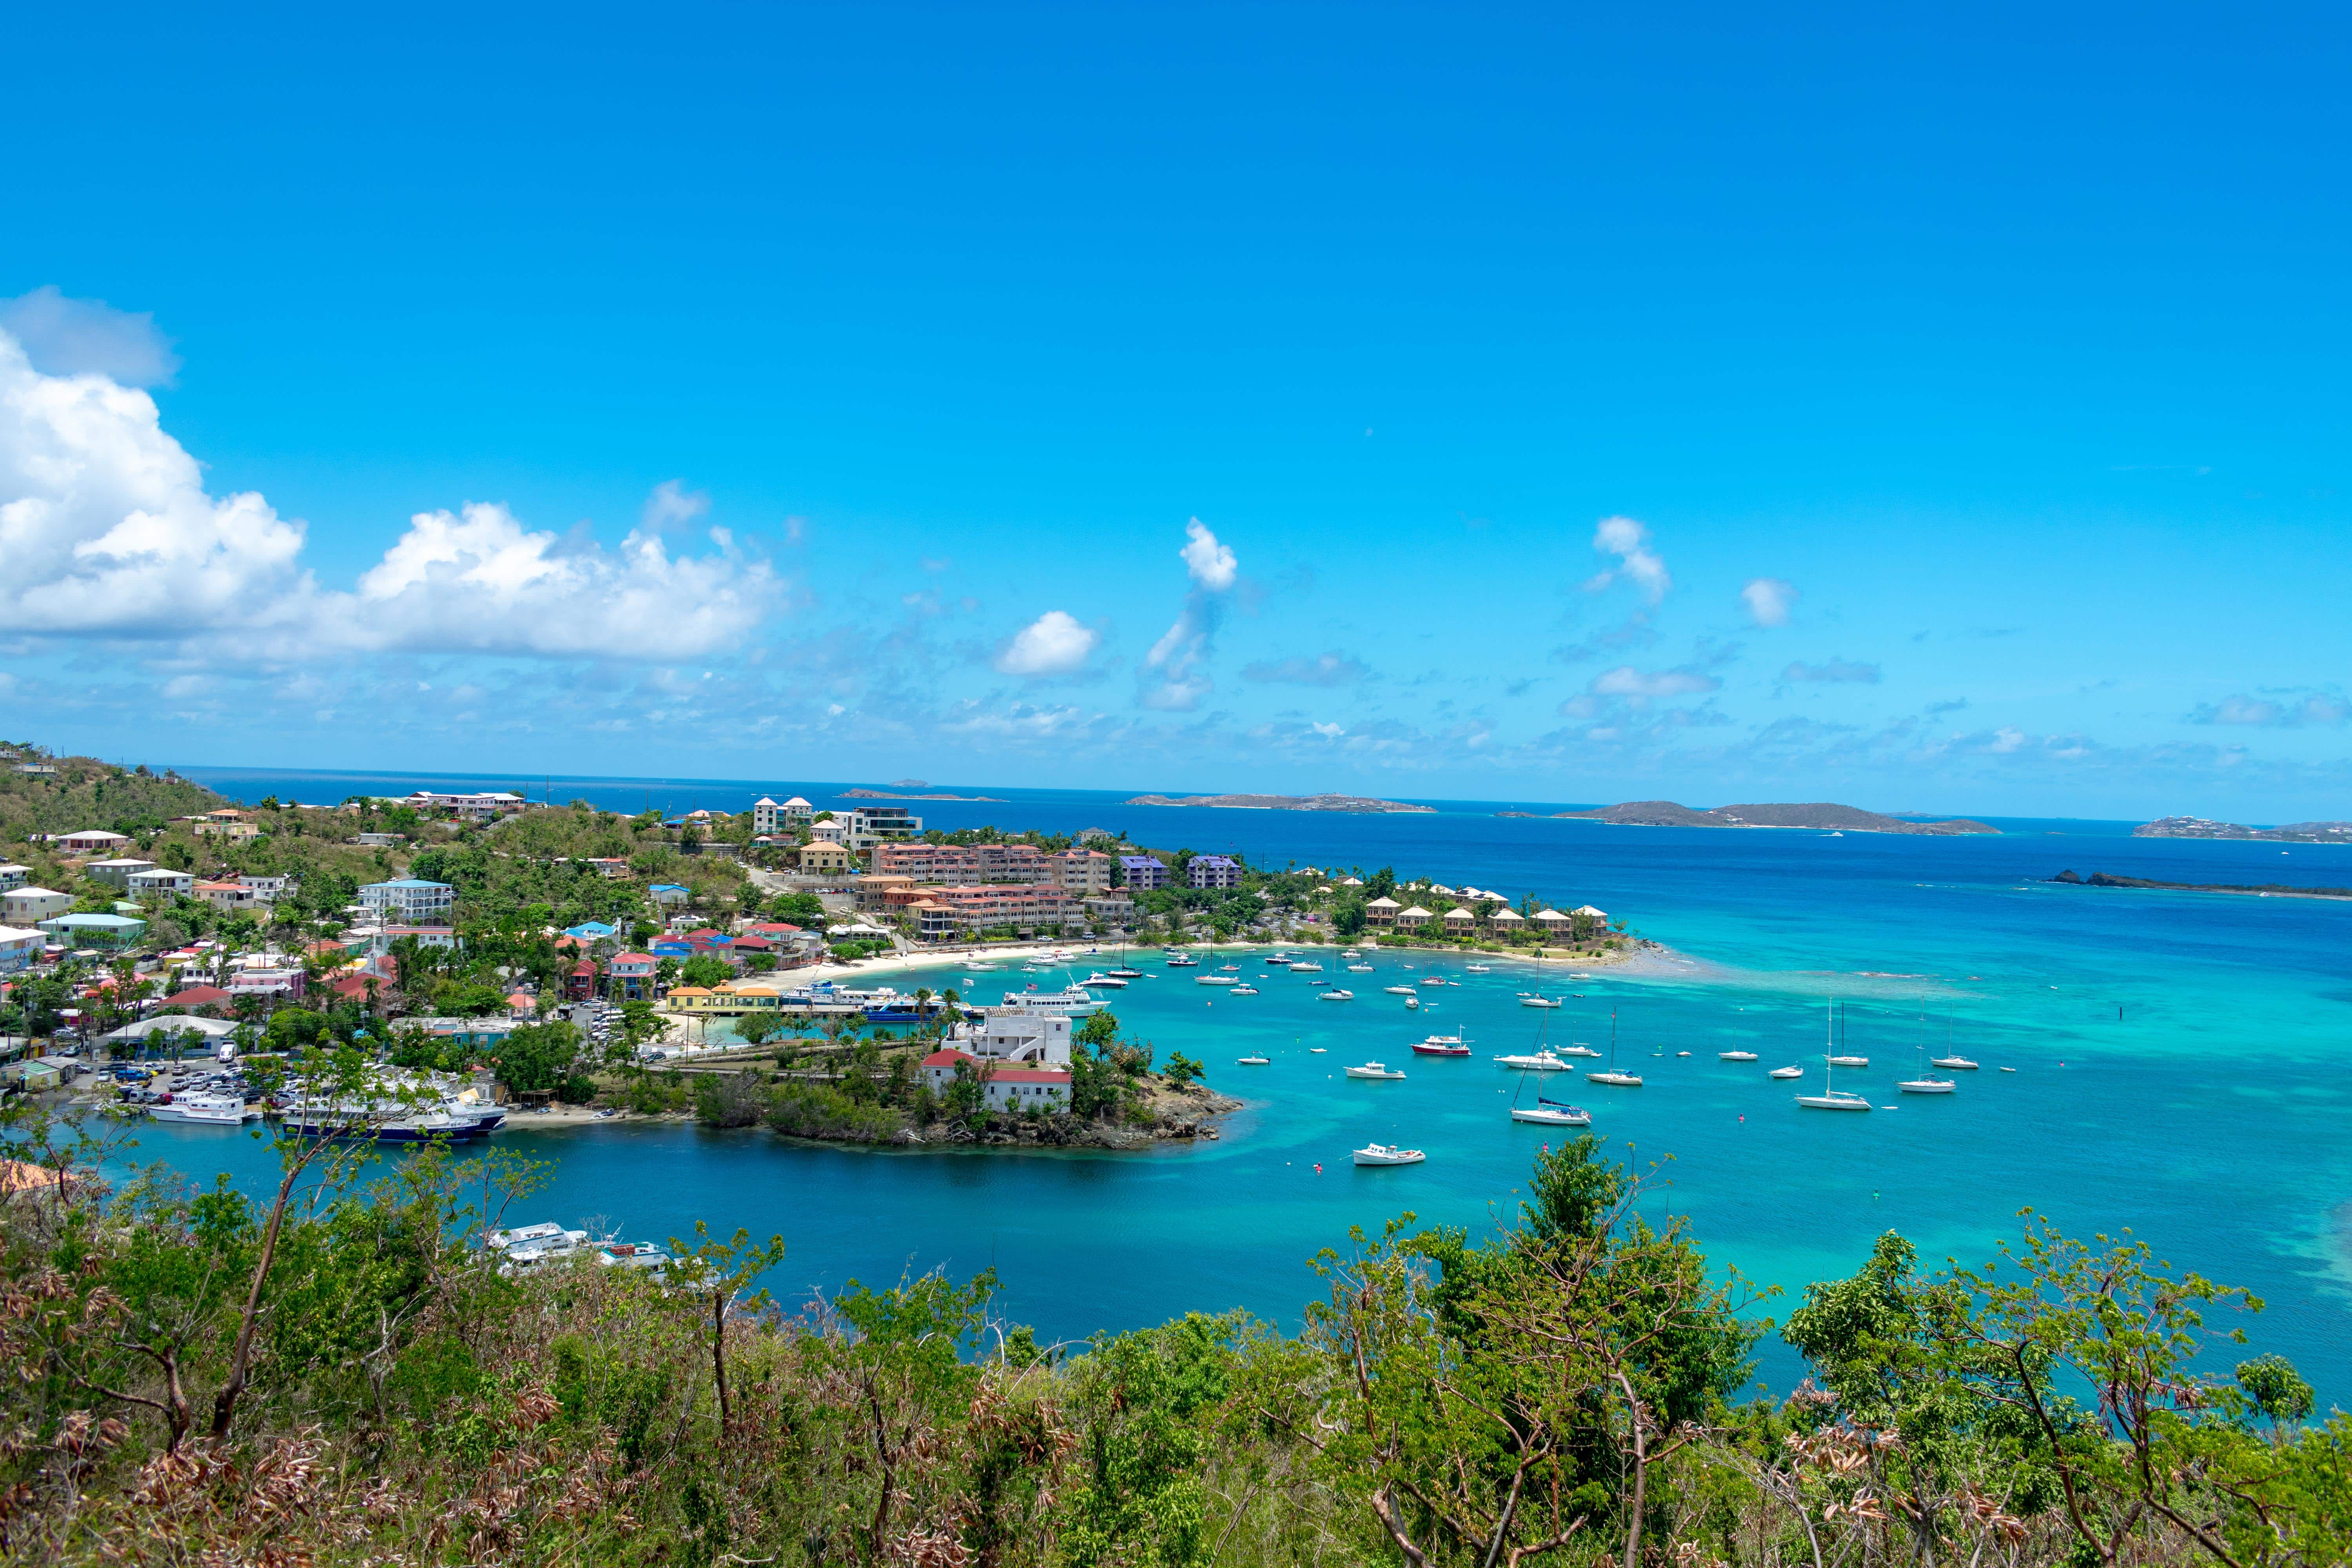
1929 410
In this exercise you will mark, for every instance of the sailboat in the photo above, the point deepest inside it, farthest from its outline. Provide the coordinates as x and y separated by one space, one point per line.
1621 1079
1546 1112
1925 1083
1952 1061
1735 1055
1832 1098
1837 1058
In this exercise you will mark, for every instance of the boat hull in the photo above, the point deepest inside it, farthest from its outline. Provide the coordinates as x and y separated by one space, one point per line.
1832 1102
1543 1118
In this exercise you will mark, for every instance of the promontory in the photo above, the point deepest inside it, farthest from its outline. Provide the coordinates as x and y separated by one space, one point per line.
1281 802
1821 814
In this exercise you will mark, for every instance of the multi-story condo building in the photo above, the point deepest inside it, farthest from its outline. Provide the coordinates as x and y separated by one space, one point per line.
1213 871
408 899
1143 871
1022 863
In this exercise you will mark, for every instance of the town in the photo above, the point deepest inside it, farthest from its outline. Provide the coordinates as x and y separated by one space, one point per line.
551 960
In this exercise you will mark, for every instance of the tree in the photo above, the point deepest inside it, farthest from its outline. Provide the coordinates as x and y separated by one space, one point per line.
1181 1070
758 1028
537 1057
706 968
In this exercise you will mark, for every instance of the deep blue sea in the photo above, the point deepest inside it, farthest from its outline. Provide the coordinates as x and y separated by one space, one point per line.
2181 1069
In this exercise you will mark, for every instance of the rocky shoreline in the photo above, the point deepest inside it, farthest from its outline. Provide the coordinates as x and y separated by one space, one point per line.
1180 1115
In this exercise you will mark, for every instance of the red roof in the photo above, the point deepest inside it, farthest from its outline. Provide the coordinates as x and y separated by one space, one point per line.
352 984
757 944
946 1058
196 997
584 966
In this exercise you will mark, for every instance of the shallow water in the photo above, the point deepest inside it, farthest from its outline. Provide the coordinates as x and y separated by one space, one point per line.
2180 1071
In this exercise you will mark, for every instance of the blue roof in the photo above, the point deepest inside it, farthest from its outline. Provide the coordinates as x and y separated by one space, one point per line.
667 887
591 929
93 922
1137 861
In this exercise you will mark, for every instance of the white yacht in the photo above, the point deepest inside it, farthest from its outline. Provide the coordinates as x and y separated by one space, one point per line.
1399 990
1534 1001
1242 990
1306 967
1216 980
1849 1061
1337 994
201 1108
1832 1098
1533 1061
1955 1064
1735 1055
1374 1069
1072 1001
1610 1075
1388 1153
1478 968
1927 1086
1413 1004
1360 969
1253 1061
1552 1113
1102 981
1786 1072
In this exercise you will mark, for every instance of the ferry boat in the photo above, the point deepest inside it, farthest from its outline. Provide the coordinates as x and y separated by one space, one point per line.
1373 1069
1441 1046
1388 1154
1071 1002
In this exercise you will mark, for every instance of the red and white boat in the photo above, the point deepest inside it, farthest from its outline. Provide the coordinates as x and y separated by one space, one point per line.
1441 1046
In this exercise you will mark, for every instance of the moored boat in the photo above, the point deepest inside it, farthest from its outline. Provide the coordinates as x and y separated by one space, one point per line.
1441 1046
1388 1154
1373 1070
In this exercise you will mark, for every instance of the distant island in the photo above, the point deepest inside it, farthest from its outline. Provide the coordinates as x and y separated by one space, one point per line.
894 794
2265 890
1821 814
1281 802
2204 827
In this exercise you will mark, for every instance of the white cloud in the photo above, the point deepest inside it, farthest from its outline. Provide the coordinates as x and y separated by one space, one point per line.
1629 540
1770 600
106 530
1053 644
1835 670
1213 565
2321 707
672 505
1647 685
87 337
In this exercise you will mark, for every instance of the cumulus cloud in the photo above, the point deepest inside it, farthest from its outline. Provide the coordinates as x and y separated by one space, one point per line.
63 336
1629 540
1770 600
1326 670
108 531
1056 643
1835 670
2316 707
1173 680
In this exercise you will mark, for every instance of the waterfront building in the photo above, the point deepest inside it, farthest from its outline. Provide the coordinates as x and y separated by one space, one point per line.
1002 1087
1143 872
1086 872
1508 923
1412 918
834 832
1041 1039
1598 917
1553 924
118 870
873 825
963 862
1213 871
1381 912
96 930
31 906
767 817
408 899
479 806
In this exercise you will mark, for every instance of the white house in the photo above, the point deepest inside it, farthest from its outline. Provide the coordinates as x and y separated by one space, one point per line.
408 899
161 880
266 889
1006 1088
1039 1038
767 817
89 841
14 876
31 906
834 832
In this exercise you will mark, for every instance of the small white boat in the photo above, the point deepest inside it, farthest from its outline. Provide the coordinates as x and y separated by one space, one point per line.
1832 1098
1216 980
1399 990
1578 1048
1388 1154
1253 1061
1178 960
1786 1072
1612 1076
1480 968
1360 969
199 1109
1436 980
1278 960
1956 1064
1242 990
2009 1070
1927 1086
1351 956
1338 995
1835 1100
1305 968
1413 1004
1441 1045
1123 973
1316 1050
1374 1069
1552 1113
1735 1055
1538 1002
1533 1061
1099 981
1849 1061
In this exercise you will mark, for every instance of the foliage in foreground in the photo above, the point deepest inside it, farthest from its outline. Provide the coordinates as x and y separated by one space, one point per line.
340 1377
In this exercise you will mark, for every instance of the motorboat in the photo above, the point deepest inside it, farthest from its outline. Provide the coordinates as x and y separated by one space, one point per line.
1306 967
1072 1001
1398 990
1278 960
1478 968
1242 990
1786 1072
1612 1076
1179 960
1375 1070
1413 1004
1104 981
1552 1113
1230 968
1388 1153
638 1255
1123 973
1578 1048
1955 1064
1360 969
1316 1050
1435 980
1339 994
1351 956
1216 980
1253 1061
1533 1061
1735 1055
202 1108
1532 1001
1441 1046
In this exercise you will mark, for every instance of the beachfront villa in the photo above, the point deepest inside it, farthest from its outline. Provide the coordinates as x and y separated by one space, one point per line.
1508 923
1413 919
1381 912
1460 921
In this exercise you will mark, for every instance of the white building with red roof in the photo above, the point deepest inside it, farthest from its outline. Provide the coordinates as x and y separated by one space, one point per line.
1006 1088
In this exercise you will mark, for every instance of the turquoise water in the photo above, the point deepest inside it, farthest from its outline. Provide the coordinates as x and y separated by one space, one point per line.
2181 1071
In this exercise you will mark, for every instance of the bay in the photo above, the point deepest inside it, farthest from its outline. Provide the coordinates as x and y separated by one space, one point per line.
2180 1071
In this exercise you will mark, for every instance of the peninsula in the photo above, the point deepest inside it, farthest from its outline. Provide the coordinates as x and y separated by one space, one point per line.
1821 814
894 794
2262 889
1355 803
2204 827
